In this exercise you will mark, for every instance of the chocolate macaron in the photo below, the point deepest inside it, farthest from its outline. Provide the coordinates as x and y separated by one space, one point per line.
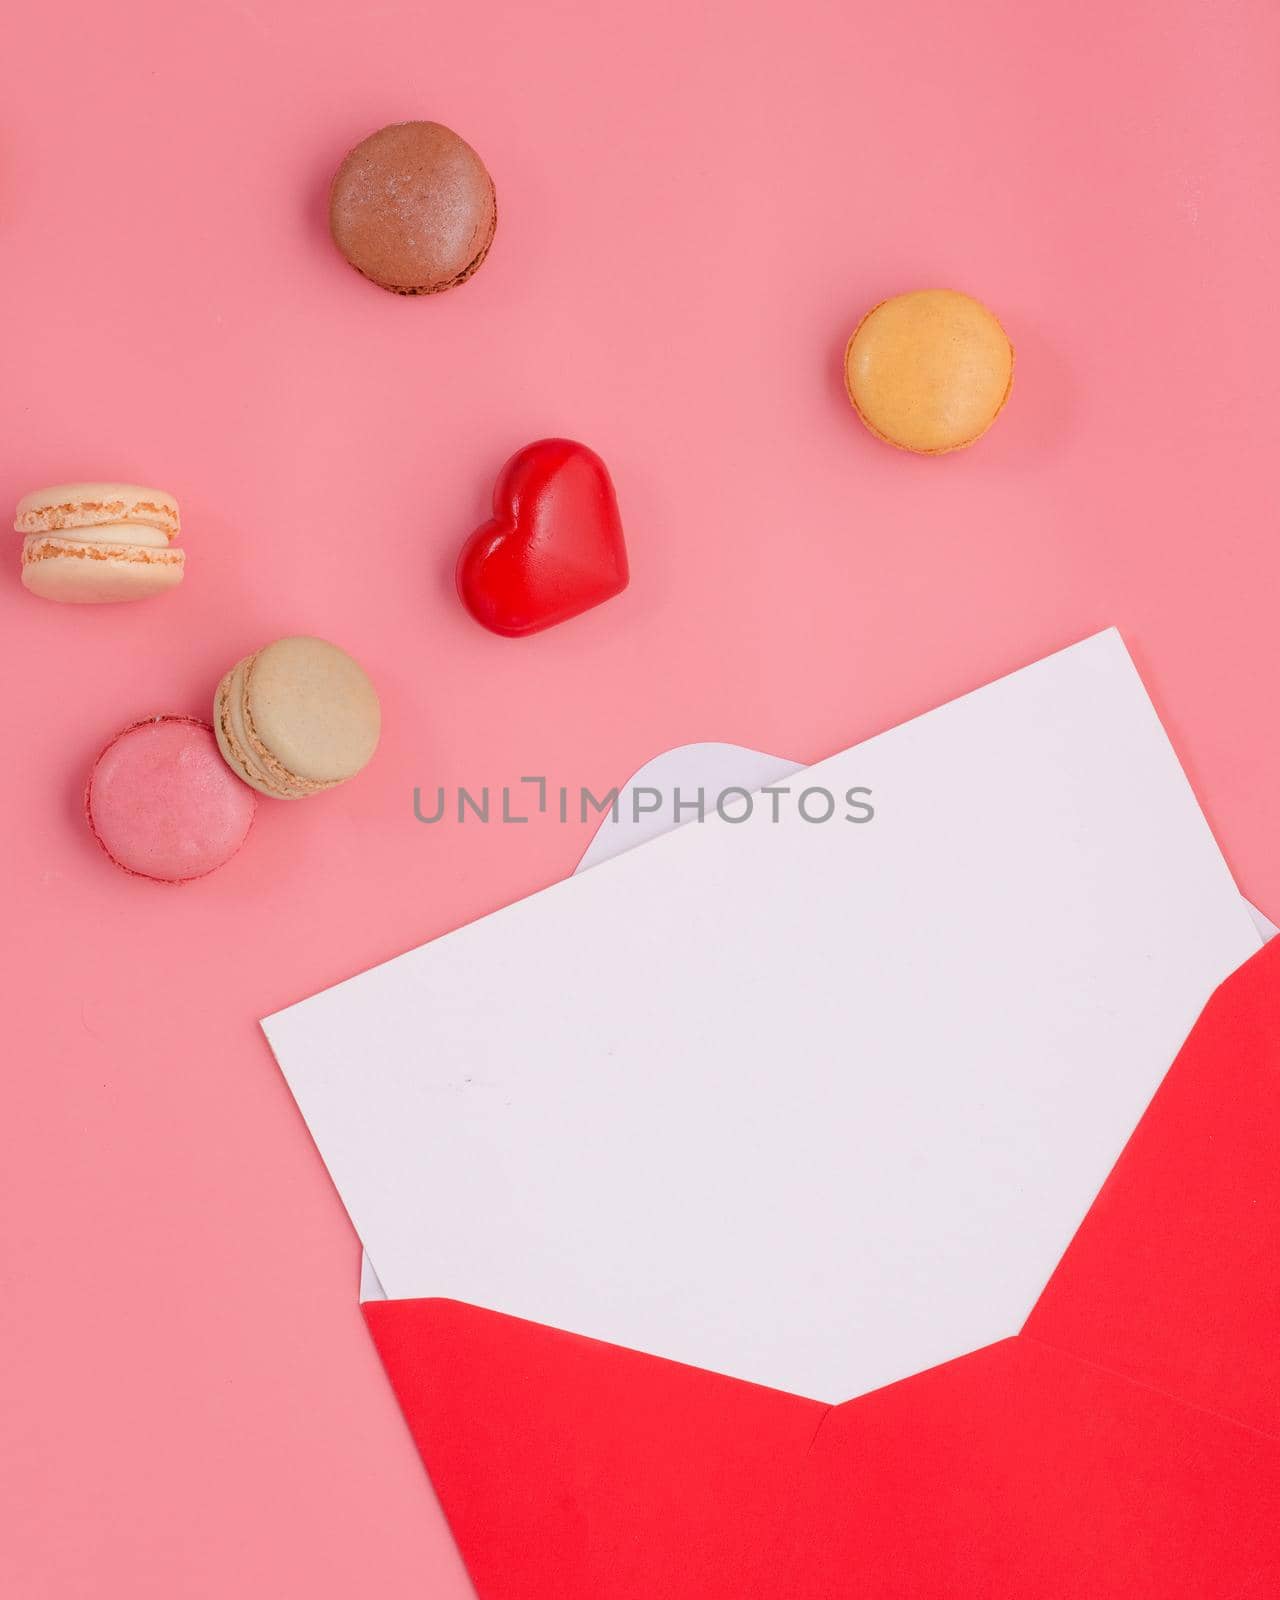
296 718
412 207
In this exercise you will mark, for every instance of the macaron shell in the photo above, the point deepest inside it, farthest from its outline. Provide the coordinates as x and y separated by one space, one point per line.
412 207
929 371
162 803
77 571
87 505
312 709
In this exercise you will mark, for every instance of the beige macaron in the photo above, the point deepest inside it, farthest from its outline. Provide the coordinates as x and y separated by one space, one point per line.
88 543
929 371
297 717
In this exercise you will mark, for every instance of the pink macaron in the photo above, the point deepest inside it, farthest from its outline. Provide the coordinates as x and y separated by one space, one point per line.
163 803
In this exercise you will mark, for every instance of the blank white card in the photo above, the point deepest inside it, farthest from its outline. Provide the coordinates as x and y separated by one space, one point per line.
817 1105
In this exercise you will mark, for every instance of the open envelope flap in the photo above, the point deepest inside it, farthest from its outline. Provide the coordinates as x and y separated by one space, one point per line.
1174 1276
572 1468
1126 1444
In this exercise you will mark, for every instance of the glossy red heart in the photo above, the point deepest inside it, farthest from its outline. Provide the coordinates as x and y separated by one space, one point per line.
554 545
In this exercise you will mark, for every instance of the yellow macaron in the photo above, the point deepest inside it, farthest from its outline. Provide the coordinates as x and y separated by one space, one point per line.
929 371
89 543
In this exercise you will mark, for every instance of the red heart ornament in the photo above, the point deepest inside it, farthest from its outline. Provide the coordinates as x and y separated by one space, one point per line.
553 547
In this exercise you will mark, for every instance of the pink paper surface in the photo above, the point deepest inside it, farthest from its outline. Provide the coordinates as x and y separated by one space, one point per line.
695 205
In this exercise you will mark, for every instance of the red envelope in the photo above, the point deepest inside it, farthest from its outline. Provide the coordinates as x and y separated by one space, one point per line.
1125 1444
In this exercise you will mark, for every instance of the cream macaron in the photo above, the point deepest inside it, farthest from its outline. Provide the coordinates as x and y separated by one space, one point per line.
88 543
296 718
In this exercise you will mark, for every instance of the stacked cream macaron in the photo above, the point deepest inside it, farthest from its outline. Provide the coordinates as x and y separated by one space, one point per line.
91 542
297 717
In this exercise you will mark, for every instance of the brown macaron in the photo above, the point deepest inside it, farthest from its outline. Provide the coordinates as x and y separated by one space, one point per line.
412 207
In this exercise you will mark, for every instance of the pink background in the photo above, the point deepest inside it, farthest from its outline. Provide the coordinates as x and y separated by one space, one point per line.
696 203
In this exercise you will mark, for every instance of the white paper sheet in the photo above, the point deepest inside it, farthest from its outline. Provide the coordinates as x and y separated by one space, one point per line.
712 767
814 1105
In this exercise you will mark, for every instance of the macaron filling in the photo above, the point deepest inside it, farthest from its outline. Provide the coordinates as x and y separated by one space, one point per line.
113 535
